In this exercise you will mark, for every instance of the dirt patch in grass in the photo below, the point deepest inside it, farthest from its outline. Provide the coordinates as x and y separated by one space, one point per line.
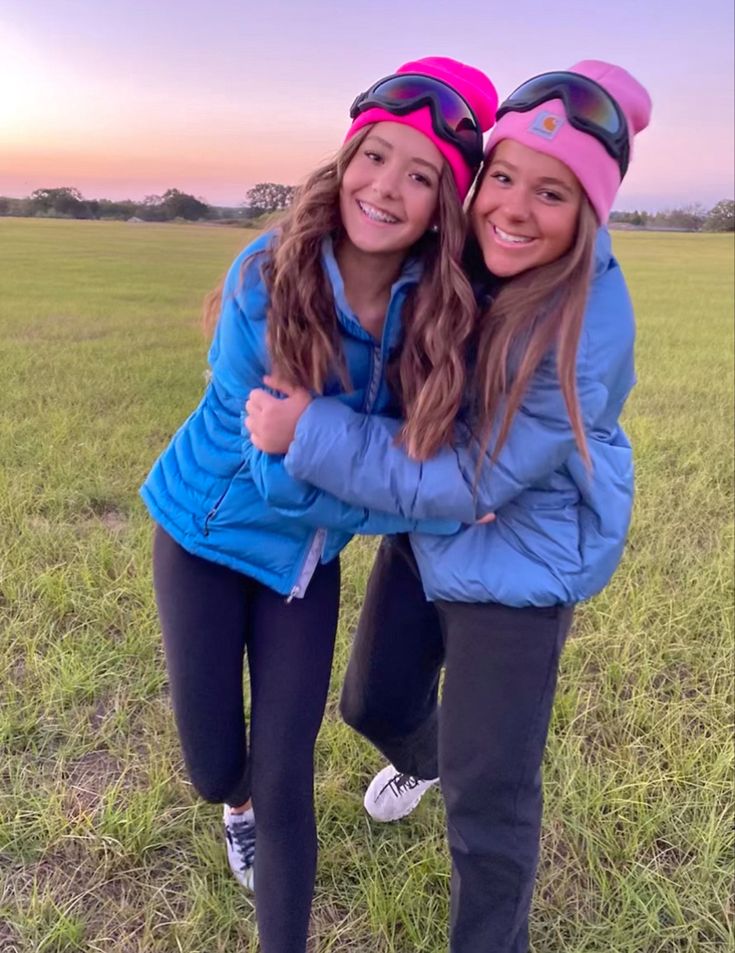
66 879
669 858
9 937
99 713
88 779
562 881
107 512
90 516
41 523
61 873
114 521
328 920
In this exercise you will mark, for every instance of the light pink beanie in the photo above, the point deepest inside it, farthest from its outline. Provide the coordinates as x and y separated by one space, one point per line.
471 84
540 129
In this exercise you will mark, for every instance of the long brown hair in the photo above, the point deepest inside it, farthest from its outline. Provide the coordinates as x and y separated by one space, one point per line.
533 313
438 322
303 329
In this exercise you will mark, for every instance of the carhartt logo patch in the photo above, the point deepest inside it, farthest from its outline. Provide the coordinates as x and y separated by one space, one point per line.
546 124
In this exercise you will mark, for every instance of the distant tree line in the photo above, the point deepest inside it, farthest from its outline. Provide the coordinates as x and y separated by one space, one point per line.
690 218
68 202
267 197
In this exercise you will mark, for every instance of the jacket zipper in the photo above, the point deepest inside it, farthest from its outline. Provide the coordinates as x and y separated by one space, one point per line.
316 546
308 569
213 512
374 379
215 508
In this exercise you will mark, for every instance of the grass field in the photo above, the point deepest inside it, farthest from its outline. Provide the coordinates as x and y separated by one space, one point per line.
103 846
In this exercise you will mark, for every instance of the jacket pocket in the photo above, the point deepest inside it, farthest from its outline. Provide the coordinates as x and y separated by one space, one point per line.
217 506
547 532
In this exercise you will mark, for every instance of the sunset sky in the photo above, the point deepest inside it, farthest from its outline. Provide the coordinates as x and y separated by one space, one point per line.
123 99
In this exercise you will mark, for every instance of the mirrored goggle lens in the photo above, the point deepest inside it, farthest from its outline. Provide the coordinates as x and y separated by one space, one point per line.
401 91
585 100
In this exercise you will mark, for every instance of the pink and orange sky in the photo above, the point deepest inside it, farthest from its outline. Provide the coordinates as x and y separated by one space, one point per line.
123 99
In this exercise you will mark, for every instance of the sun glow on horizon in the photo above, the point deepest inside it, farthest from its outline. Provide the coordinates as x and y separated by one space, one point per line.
24 84
109 136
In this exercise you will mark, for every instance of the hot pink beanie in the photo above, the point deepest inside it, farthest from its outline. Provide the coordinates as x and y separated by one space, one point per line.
597 171
471 84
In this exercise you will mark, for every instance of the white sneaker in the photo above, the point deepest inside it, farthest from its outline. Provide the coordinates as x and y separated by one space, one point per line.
240 839
392 795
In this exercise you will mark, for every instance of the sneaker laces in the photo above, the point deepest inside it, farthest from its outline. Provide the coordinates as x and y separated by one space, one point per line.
401 782
242 836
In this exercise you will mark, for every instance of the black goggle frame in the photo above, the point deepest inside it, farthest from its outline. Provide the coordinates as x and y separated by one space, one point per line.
452 117
588 107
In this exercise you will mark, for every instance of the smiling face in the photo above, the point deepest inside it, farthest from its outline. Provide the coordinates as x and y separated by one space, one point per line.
390 189
525 212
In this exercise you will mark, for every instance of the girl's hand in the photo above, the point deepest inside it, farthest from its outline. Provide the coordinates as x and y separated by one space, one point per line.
487 518
272 422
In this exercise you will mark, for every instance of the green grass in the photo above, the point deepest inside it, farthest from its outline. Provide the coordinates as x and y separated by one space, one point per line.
103 846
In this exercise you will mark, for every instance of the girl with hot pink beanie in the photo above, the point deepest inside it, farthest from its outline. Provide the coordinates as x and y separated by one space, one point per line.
369 255
471 84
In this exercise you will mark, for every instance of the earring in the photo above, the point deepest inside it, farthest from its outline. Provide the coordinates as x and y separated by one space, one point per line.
434 229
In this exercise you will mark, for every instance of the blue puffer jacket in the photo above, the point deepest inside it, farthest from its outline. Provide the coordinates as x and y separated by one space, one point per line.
559 530
209 489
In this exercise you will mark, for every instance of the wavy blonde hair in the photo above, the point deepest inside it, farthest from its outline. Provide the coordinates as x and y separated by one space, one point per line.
537 311
429 373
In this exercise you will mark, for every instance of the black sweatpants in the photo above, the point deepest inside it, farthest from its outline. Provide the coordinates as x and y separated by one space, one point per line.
485 741
212 617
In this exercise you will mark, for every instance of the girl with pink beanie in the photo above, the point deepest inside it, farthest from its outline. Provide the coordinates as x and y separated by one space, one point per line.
539 465
369 253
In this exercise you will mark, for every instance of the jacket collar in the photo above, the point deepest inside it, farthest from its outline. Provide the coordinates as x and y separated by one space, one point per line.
603 252
410 275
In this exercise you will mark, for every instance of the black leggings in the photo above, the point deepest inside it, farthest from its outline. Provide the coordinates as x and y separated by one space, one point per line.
211 616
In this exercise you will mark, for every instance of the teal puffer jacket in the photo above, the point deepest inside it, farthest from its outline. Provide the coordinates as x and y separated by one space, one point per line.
202 489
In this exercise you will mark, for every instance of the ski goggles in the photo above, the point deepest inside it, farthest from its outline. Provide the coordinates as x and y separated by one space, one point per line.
589 108
451 117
